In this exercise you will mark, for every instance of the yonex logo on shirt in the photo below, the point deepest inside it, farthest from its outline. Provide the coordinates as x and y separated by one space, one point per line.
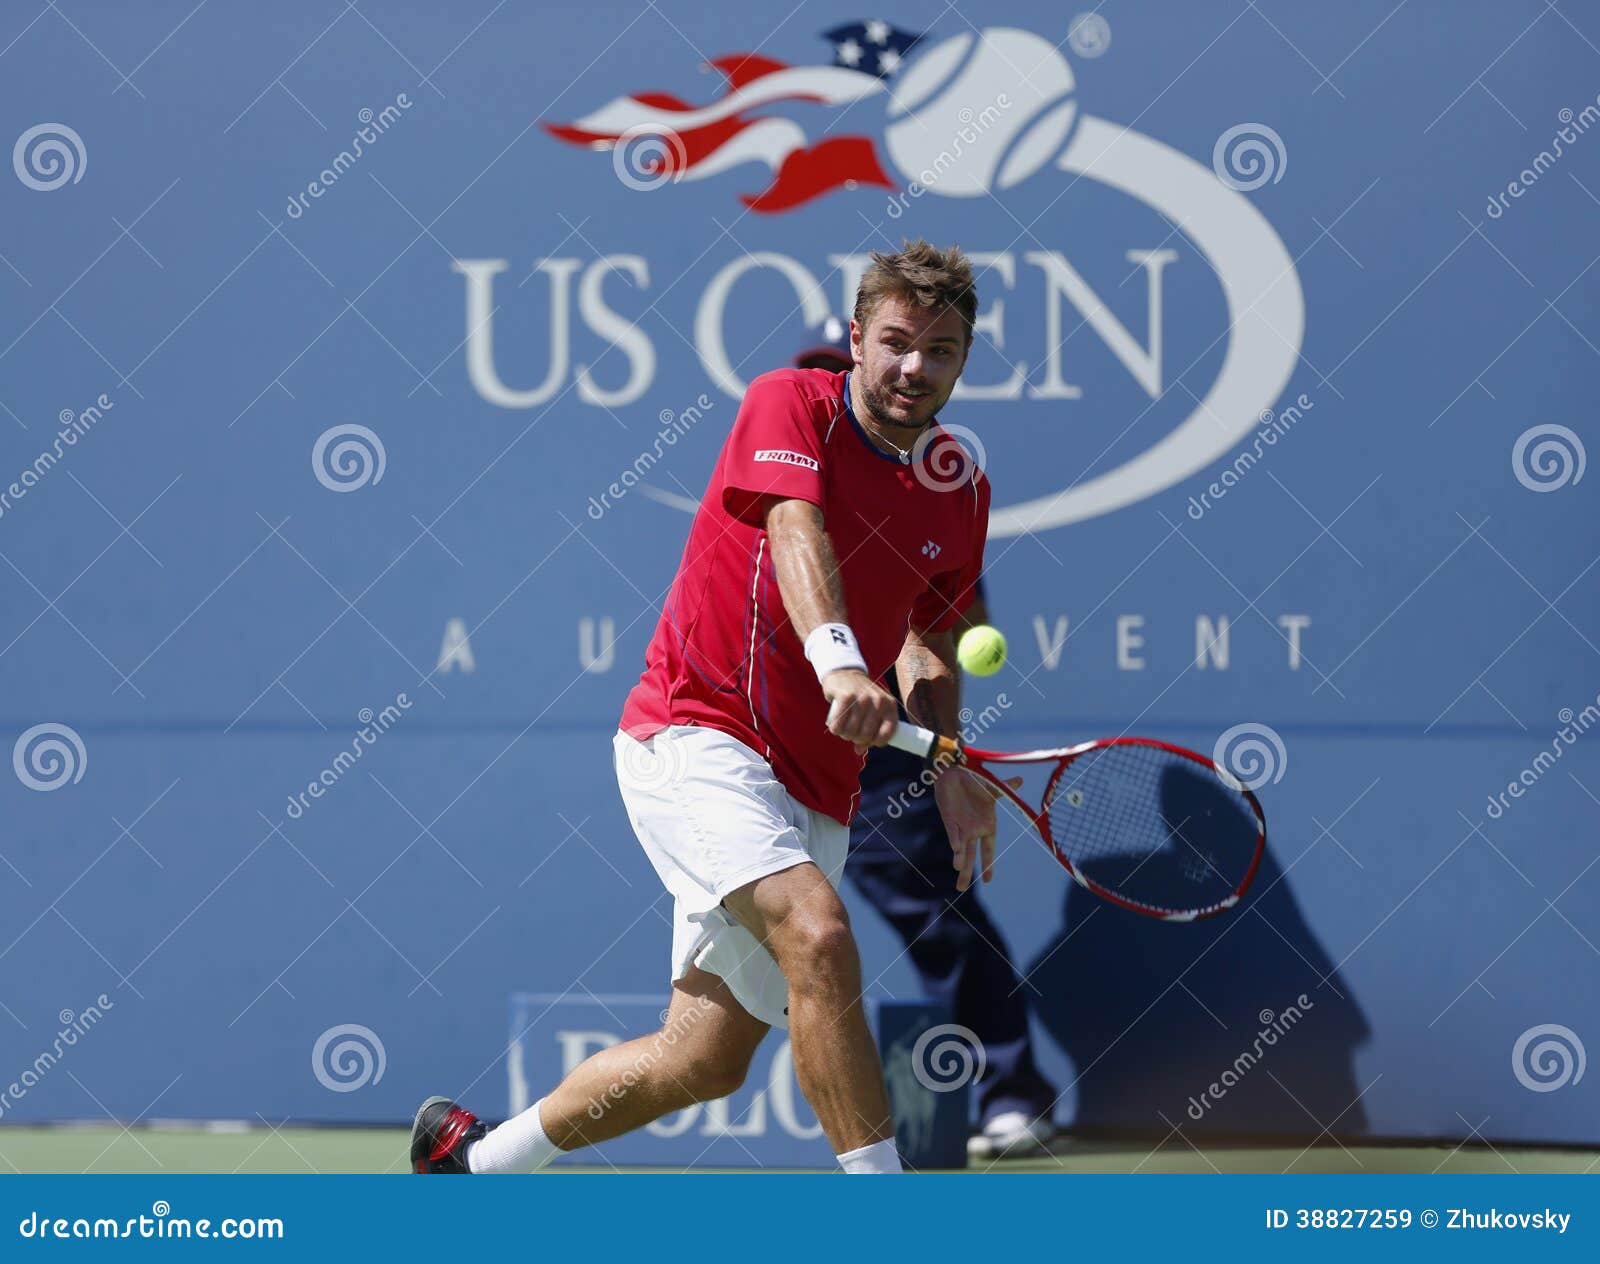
784 457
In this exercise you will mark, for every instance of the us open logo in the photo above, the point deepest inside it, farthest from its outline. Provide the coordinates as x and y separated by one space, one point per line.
950 117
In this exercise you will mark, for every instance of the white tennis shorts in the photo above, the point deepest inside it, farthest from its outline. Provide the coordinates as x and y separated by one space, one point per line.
712 818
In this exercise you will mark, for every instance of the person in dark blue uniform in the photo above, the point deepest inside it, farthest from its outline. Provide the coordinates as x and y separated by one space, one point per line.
900 862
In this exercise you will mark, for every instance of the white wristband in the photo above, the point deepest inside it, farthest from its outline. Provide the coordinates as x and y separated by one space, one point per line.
832 647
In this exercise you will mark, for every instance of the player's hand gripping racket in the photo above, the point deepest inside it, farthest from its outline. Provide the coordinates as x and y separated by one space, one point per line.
1146 825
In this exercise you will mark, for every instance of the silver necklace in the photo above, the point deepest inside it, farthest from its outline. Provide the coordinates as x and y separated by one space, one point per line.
904 454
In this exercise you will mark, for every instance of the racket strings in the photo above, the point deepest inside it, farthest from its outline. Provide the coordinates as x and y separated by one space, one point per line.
1153 826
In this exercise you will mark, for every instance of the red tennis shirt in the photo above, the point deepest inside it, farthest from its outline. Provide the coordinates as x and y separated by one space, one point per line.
909 538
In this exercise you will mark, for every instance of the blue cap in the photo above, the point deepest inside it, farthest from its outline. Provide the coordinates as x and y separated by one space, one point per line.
832 352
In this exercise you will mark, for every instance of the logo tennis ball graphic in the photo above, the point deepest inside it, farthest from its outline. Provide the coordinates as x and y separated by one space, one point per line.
980 112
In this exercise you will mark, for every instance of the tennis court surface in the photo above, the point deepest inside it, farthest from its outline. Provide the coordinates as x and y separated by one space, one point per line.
238 1148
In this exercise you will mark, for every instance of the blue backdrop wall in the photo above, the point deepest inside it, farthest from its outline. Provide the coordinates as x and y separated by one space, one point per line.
383 393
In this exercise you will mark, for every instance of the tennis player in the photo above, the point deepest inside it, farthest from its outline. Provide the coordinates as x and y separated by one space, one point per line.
842 532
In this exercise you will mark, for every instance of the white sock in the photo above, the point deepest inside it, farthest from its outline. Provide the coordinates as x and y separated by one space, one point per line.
518 1145
876 1159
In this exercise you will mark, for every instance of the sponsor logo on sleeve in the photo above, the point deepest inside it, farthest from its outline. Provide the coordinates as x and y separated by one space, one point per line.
784 457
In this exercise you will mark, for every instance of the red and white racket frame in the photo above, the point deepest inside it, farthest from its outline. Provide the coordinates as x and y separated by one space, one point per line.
926 744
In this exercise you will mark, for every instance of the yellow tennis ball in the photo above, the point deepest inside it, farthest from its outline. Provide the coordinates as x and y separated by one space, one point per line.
982 650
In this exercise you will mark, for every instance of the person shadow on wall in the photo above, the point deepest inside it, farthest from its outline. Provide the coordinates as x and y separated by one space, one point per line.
1200 1025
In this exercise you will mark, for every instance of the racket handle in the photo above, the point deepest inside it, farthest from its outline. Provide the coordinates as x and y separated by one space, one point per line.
924 743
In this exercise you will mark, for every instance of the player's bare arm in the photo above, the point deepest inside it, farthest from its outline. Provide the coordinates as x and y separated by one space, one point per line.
930 683
861 711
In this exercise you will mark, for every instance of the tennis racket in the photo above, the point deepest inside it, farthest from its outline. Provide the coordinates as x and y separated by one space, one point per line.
1149 826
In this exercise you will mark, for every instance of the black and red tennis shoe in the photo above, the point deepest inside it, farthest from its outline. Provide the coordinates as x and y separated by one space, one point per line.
440 1135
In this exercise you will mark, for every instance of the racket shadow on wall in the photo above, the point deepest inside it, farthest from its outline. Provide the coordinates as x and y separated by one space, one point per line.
1185 985
1236 1027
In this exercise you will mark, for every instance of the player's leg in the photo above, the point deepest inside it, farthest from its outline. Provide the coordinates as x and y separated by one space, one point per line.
719 829
798 916
701 1053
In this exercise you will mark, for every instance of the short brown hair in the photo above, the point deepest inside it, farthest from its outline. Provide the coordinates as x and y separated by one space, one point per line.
920 274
